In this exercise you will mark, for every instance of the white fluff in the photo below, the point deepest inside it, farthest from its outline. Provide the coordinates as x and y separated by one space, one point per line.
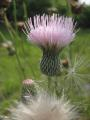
44 107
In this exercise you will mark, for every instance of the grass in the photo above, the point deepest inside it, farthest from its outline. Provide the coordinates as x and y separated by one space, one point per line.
12 74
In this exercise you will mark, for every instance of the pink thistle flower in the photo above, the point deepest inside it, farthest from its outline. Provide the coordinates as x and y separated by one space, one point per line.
28 90
51 34
28 82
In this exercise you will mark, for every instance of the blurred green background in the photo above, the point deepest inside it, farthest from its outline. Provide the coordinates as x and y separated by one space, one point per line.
21 59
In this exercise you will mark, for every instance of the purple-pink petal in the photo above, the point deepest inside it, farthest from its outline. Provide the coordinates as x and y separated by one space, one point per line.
50 31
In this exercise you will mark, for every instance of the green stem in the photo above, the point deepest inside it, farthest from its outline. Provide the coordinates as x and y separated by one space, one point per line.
15 14
19 63
10 30
70 55
25 10
14 35
56 86
53 86
49 85
69 12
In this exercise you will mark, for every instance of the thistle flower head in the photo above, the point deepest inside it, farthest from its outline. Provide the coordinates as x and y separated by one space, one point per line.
28 82
28 90
7 44
77 77
50 32
44 108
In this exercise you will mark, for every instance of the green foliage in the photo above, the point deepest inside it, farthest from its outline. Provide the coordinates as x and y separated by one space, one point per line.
39 7
18 5
26 8
11 75
84 18
25 64
62 10
32 7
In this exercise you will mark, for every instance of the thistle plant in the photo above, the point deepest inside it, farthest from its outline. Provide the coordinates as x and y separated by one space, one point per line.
28 90
72 80
51 34
9 46
44 107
